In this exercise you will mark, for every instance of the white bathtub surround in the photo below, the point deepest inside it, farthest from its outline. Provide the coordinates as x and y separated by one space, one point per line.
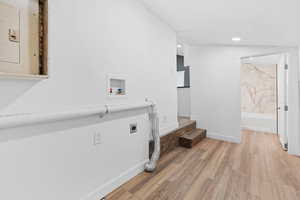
259 122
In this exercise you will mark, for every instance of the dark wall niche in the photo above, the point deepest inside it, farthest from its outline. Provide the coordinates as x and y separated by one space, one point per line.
186 69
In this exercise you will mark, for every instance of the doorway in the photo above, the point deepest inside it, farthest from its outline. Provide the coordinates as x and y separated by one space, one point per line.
263 95
183 88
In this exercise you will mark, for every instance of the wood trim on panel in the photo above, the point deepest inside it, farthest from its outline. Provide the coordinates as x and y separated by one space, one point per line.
43 37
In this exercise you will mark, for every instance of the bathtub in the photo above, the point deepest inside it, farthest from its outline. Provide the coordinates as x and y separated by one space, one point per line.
259 122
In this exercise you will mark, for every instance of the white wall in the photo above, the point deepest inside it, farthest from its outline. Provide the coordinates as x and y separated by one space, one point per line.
215 91
88 40
184 102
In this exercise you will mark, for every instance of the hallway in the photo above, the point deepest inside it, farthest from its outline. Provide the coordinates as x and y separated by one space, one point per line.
146 99
256 169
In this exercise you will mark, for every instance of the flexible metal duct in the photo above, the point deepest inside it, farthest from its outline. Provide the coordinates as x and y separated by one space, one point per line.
151 165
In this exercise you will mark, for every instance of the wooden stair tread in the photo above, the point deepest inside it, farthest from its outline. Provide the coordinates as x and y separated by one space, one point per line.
192 138
193 134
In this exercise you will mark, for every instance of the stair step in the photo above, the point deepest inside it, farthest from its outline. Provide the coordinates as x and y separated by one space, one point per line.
192 138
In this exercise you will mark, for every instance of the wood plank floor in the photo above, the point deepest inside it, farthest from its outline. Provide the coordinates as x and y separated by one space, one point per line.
257 169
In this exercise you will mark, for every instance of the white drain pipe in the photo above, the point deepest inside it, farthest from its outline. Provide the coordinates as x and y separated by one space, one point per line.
27 119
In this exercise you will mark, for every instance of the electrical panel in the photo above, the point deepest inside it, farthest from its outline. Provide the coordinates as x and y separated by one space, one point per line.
23 38
9 34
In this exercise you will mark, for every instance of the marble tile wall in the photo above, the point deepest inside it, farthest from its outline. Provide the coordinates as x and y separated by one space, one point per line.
258 88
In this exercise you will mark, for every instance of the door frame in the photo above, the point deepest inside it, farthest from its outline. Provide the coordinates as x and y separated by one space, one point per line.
285 56
277 104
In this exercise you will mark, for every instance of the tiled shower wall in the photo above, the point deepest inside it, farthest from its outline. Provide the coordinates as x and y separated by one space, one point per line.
258 96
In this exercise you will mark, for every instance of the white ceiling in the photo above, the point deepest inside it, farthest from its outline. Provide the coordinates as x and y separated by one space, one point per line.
263 60
257 22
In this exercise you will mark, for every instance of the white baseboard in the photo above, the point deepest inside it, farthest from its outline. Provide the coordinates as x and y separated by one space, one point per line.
113 184
217 136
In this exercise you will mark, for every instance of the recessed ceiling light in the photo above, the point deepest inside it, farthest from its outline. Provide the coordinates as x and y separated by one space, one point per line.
236 39
179 46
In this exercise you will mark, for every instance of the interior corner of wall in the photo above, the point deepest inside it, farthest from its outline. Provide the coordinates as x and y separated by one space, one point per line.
166 129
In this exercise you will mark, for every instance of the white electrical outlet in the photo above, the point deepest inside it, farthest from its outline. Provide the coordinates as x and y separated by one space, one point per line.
97 138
